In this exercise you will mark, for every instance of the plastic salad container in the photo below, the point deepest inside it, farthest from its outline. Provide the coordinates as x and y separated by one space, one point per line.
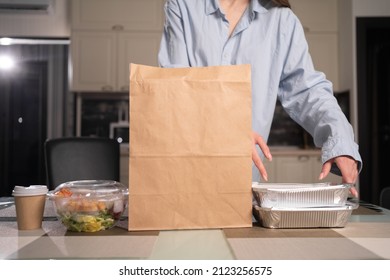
89 205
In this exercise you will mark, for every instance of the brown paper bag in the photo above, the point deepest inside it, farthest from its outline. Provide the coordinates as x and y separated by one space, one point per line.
190 147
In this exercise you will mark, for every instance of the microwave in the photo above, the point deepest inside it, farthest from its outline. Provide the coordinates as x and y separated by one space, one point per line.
120 132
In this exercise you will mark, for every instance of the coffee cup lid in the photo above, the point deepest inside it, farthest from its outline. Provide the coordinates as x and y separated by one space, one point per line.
30 190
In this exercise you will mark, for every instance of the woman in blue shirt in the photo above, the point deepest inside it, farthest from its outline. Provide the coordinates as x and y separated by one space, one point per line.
267 35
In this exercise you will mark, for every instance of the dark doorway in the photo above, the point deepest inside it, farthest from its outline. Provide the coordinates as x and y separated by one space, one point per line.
373 73
22 126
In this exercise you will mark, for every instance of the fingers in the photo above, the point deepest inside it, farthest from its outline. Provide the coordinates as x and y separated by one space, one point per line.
349 171
354 192
325 170
259 164
258 140
348 168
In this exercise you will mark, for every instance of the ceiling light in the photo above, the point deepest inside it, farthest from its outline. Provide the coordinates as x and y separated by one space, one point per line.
6 63
5 41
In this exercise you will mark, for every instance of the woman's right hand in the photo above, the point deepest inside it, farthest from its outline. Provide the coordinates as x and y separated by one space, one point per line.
258 140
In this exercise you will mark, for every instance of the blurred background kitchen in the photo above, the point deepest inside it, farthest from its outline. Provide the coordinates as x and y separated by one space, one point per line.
64 68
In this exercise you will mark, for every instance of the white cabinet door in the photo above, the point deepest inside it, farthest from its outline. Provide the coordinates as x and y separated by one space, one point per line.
117 14
93 57
109 35
101 59
138 48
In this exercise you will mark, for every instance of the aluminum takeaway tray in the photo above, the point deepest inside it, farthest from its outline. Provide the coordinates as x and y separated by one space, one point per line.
300 195
321 217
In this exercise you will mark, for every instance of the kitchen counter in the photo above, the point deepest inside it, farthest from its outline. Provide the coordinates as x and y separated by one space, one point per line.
365 237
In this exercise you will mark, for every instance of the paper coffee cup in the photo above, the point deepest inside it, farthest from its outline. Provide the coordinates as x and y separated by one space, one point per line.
30 204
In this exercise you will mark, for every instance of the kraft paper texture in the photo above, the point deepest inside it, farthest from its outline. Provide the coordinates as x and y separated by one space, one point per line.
190 147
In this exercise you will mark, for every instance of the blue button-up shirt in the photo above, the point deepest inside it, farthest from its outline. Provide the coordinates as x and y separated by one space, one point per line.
272 41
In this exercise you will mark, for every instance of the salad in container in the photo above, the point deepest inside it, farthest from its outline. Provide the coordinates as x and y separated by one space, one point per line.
89 205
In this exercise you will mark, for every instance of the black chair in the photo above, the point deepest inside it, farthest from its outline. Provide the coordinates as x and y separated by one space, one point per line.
384 198
81 158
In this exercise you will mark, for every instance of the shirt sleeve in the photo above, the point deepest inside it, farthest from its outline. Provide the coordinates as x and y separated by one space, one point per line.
173 49
307 96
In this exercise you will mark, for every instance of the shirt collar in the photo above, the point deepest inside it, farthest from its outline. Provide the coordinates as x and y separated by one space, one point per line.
211 6
255 6
259 6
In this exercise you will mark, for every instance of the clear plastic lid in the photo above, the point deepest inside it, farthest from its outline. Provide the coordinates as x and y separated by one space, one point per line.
30 190
89 188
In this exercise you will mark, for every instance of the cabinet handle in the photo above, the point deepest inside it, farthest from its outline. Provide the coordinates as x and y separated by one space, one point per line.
117 27
303 158
106 88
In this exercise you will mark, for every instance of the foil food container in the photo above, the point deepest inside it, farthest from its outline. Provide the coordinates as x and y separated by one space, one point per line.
317 217
269 195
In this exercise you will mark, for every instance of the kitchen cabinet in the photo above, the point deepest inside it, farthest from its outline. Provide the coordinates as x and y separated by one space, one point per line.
107 36
101 60
139 48
125 15
320 22
93 60
296 166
